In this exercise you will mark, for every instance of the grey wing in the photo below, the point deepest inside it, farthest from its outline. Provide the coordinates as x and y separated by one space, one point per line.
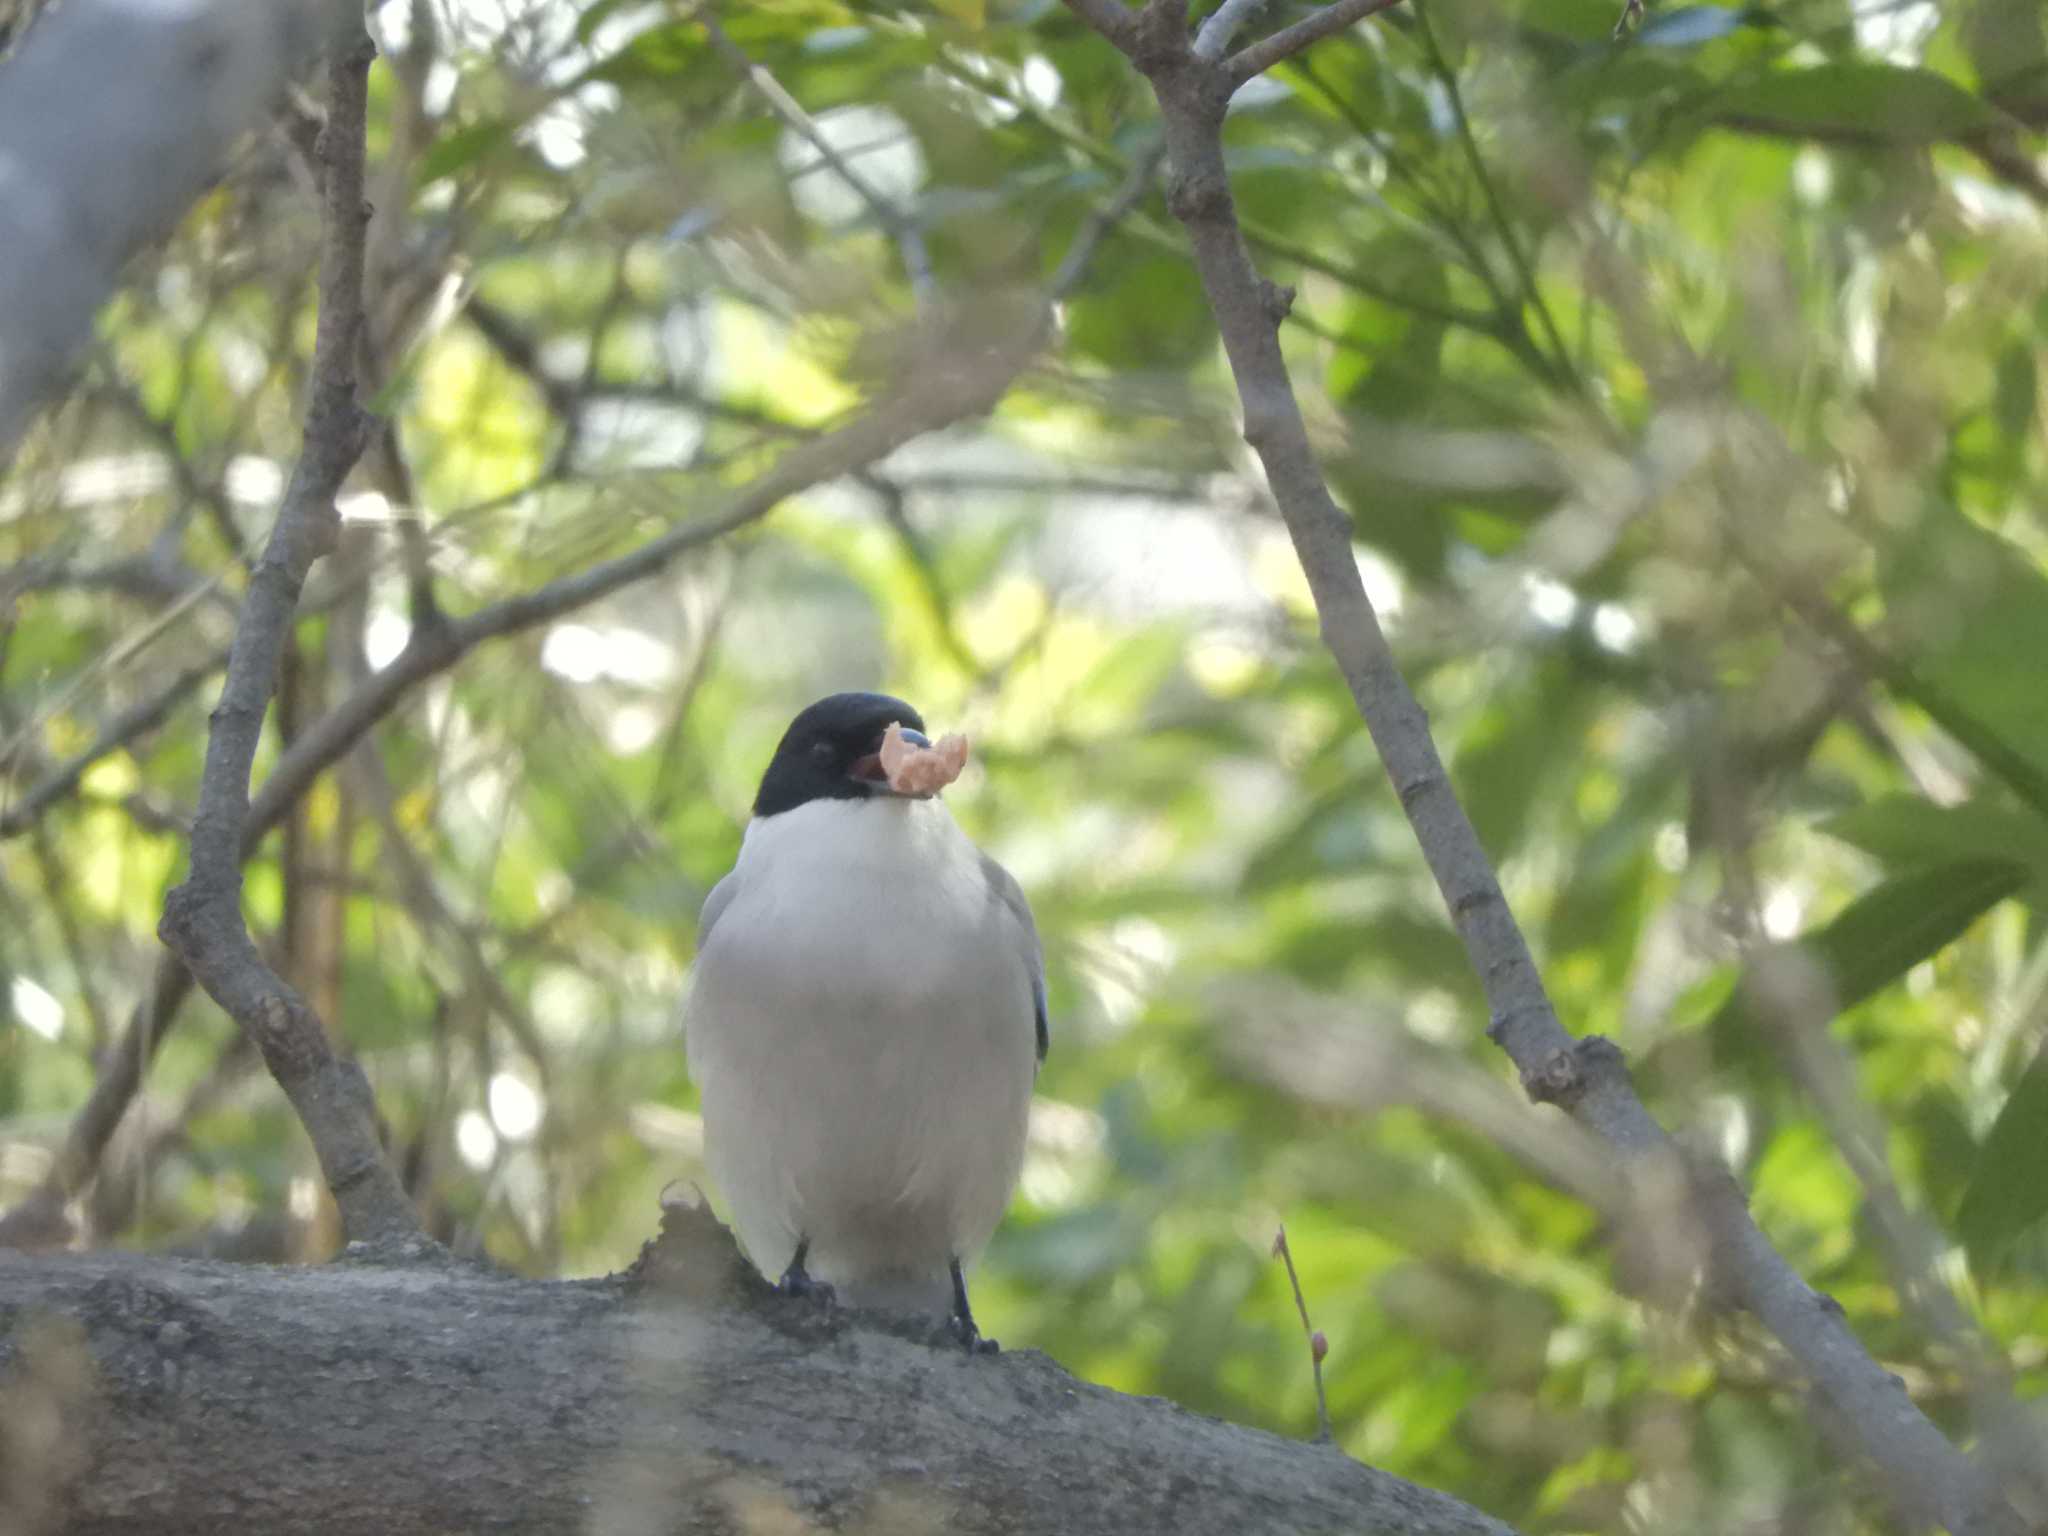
1005 890
715 903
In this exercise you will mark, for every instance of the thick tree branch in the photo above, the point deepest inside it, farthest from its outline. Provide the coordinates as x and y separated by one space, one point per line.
202 918
1927 1479
194 1397
172 82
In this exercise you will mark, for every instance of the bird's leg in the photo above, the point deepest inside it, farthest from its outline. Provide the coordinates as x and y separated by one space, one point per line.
962 1320
796 1280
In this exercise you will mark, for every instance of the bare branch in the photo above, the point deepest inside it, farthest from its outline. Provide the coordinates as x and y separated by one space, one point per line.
143 715
1559 363
1222 26
1261 56
1928 1480
202 918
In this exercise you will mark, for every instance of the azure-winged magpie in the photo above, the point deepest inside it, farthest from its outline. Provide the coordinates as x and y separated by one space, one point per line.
865 1021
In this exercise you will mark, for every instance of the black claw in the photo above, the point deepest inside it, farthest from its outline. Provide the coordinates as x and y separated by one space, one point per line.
796 1280
962 1321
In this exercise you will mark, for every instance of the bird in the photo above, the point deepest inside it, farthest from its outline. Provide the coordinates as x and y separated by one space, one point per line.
865 1022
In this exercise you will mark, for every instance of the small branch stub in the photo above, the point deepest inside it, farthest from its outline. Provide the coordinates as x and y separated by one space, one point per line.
1277 299
1564 1077
1192 197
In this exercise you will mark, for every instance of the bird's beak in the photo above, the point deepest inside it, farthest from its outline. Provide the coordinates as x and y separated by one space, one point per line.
868 769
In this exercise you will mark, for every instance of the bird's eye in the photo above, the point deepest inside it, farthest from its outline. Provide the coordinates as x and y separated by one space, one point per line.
822 751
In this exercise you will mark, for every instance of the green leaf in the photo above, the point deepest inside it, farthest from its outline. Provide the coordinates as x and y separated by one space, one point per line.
1147 313
1906 831
2016 389
1966 626
1510 762
594 16
1879 937
1877 103
2007 1192
1613 880
452 151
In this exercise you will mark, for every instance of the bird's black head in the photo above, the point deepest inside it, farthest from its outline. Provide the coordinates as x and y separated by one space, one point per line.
829 751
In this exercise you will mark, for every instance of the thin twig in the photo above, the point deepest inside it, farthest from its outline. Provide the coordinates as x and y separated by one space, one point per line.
901 226
143 715
1318 1345
1928 1480
1525 269
1137 182
1257 58
1214 38
40 1219
58 887
107 663
202 920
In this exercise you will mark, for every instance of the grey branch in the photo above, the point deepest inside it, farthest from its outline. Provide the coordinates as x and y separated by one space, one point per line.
1928 1480
171 83
202 918
1222 26
1261 56
192 1397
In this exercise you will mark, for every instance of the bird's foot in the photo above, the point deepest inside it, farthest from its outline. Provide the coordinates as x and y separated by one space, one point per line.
970 1337
797 1283
961 1323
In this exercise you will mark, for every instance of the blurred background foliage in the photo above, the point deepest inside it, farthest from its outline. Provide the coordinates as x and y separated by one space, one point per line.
1684 390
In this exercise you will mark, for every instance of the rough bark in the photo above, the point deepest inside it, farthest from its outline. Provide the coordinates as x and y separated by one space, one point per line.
192 1397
